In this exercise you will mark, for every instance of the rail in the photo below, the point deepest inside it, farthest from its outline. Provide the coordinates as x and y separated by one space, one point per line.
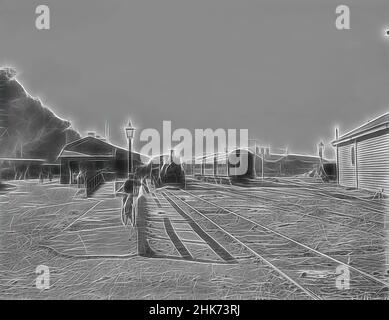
175 199
263 229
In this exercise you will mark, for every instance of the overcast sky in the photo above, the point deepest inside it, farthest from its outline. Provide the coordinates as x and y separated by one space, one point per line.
278 68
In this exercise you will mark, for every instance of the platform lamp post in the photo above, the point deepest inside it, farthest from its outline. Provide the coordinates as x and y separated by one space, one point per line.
130 132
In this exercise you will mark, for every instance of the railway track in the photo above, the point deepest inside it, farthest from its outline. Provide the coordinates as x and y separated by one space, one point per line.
314 191
309 269
173 199
363 203
311 189
233 191
253 195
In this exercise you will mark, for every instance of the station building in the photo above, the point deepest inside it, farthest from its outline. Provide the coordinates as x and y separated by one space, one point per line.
363 156
92 154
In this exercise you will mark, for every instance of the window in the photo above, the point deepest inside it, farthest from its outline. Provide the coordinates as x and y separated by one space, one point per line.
353 156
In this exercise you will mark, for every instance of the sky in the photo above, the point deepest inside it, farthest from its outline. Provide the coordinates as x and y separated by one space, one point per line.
278 68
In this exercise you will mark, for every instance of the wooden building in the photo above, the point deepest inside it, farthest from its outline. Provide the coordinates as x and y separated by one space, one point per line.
20 168
363 156
90 155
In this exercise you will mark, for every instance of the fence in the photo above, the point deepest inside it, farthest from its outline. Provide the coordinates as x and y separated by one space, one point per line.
92 183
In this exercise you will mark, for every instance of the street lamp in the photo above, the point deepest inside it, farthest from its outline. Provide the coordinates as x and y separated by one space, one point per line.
130 132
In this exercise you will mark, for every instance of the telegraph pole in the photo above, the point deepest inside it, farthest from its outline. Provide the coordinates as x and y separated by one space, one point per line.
227 163
263 160
255 156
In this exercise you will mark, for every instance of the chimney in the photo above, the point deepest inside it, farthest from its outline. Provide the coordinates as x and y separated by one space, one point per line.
91 134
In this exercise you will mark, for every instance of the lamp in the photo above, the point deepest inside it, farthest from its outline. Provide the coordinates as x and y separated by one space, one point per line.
130 130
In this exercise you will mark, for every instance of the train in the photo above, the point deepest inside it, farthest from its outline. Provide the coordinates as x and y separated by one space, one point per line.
238 164
162 170
243 164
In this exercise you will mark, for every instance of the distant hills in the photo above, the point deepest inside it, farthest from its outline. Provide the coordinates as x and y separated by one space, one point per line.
28 129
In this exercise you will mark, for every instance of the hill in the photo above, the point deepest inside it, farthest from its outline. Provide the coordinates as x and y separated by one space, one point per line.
28 129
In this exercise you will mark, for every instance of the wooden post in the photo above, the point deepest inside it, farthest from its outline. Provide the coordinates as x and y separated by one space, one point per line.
214 165
356 162
263 160
227 164
256 152
337 155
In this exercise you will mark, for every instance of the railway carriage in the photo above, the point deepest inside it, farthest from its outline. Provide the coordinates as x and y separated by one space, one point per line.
243 164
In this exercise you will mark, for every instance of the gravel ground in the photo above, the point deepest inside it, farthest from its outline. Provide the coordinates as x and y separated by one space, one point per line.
32 223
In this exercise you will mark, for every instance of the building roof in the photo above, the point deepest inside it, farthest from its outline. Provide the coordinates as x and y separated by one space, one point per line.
23 160
93 148
88 147
377 124
74 154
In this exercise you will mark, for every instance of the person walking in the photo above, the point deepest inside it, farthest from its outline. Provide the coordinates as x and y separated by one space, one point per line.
128 198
